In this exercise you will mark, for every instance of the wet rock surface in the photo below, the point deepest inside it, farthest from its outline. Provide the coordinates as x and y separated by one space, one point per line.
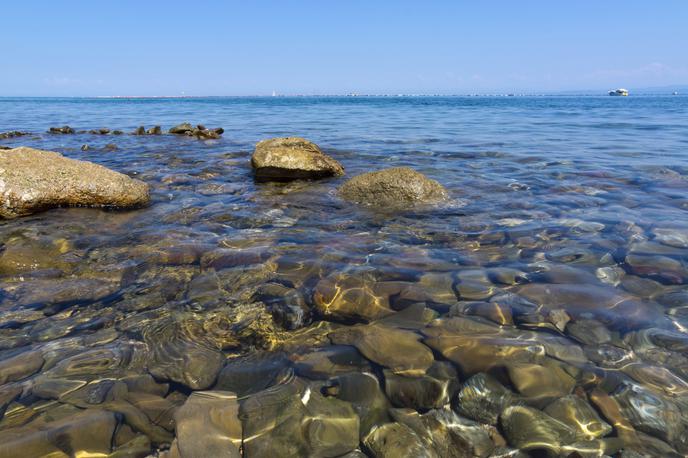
291 158
32 180
395 187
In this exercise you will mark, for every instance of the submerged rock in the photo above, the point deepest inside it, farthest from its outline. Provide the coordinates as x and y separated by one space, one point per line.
84 433
208 424
399 350
448 434
392 187
292 158
393 440
529 429
432 390
32 180
483 398
575 411
20 366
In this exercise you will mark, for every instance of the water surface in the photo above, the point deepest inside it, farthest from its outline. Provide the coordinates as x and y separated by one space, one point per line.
550 290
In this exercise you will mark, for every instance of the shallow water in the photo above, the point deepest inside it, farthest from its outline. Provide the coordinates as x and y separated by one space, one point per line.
543 308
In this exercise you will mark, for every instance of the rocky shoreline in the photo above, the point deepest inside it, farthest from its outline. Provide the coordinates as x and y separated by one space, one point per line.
225 332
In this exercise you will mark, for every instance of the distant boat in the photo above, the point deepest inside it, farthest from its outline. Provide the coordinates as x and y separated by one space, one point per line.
675 93
619 92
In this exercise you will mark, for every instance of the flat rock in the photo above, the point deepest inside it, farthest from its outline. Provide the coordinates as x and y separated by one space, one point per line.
32 180
20 366
292 158
394 187
397 349
208 424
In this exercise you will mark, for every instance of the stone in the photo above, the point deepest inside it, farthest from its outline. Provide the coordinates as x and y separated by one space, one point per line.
432 390
483 398
605 303
254 372
350 297
20 366
448 434
330 361
292 158
181 129
12 134
61 130
478 347
540 383
362 391
155 130
393 187
85 433
576 412
393 440
529 430
399 350
32 180
141 130
181 352
208 424
675 237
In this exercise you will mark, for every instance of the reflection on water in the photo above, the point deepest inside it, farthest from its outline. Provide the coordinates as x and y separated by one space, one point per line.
543 309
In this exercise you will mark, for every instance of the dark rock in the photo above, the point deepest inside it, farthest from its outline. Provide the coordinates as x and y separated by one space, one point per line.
432 390
20 366
292 158
181 129
483 398
139 131
155 130
61 130
85 433
110 147
393 440
12 134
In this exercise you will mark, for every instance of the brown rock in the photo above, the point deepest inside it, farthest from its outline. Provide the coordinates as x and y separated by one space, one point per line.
291 158
392 187
32 180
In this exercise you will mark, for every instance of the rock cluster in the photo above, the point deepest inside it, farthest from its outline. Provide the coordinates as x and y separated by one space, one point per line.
200 132
61 130
12 134
32 180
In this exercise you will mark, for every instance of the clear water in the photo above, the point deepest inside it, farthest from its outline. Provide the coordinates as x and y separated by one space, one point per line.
560 206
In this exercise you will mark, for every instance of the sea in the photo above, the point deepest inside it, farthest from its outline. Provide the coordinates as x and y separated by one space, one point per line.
542 308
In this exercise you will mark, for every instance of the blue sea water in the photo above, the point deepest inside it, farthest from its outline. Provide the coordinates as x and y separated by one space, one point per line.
566 226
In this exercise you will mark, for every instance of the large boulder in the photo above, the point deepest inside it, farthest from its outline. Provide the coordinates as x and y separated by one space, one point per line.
397 186
292 158
32 180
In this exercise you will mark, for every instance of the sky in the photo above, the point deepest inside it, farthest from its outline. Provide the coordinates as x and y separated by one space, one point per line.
101 48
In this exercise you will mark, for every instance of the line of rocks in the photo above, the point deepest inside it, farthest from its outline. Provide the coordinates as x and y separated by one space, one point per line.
32 180
199 131
290 158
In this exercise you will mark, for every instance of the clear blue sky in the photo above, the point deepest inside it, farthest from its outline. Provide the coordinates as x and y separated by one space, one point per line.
322 47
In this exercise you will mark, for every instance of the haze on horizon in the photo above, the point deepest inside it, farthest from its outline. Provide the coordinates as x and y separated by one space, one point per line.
80 48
